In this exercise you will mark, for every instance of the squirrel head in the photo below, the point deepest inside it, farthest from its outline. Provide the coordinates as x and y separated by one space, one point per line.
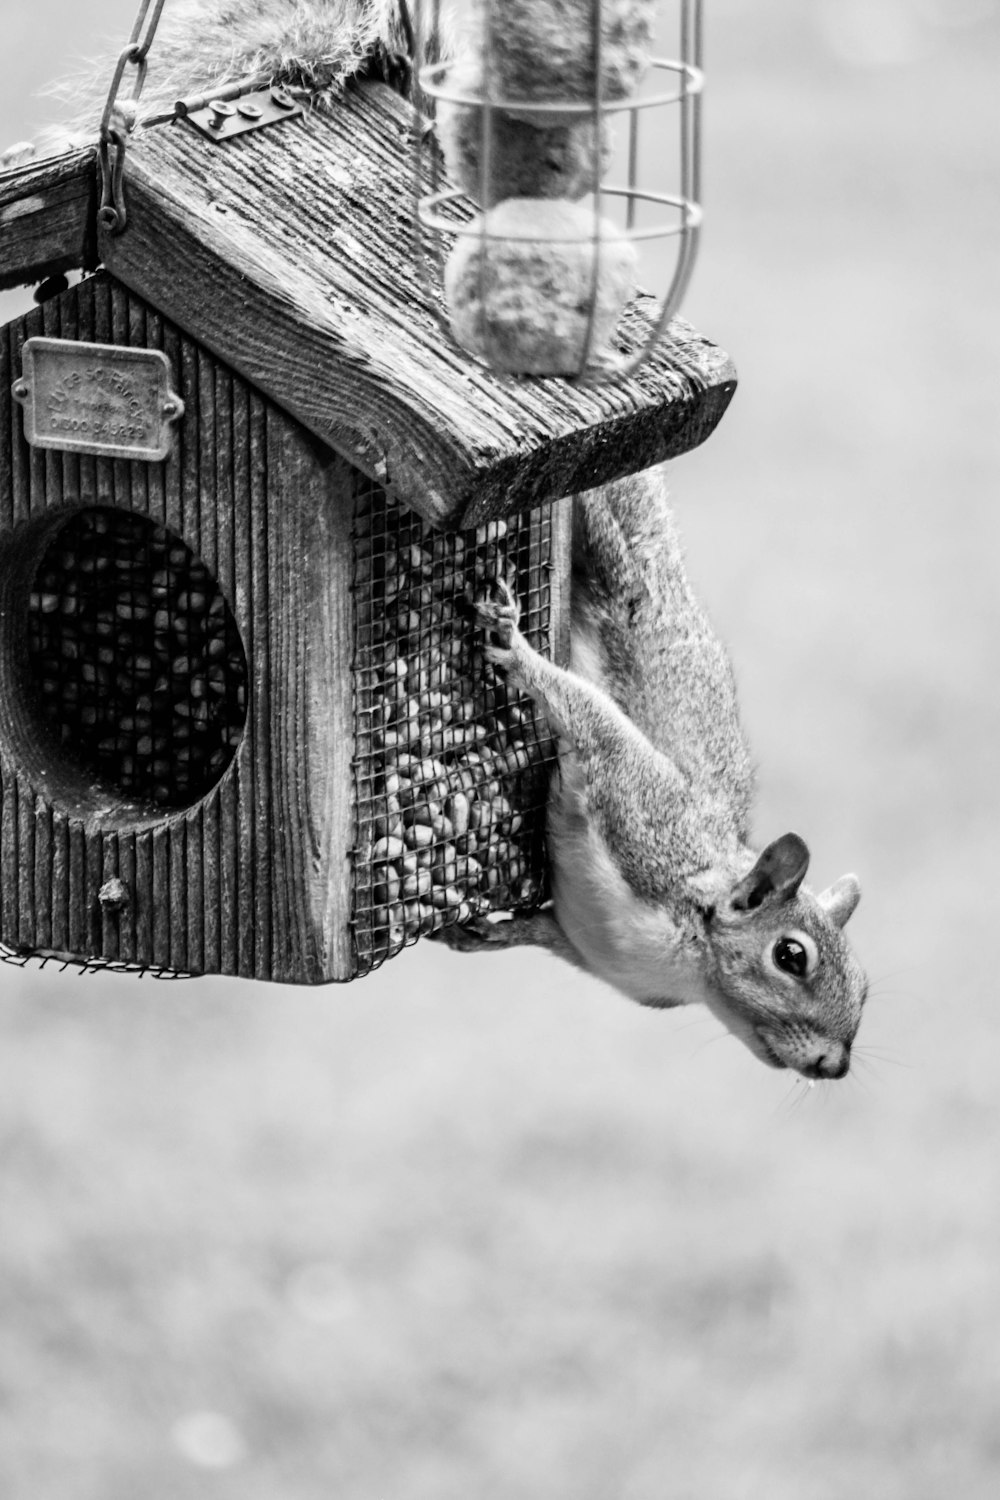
782 976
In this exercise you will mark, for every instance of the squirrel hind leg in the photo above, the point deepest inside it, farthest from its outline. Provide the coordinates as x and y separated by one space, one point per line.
534 929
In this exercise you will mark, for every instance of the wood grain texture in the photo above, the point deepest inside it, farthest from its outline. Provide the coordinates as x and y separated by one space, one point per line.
47 217
289 252
560 572
311 626
253 878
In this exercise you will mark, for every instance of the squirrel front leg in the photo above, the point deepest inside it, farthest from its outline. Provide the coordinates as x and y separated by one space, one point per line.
633 792
577 711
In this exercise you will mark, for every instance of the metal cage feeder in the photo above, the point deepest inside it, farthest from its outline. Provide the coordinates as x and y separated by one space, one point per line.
516 203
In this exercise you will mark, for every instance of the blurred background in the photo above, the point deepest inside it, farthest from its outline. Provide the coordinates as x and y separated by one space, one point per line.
479 1227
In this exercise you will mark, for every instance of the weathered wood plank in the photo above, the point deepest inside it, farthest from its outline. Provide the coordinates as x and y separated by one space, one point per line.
559 581
289 253
26 859
46 217
109 917
51 326
11 479
224 511
78 925
311 729
164 940
255 751
127 916
43 874
191 877
93 880
143 898
102 296
59 878
330 711
17 499
10 885
67 310
239 592
180 841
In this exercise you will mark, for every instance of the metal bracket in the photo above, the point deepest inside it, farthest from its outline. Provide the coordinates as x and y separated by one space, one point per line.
220 118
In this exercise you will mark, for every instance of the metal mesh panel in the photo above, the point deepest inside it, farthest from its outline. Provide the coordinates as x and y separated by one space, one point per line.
134 657
451 769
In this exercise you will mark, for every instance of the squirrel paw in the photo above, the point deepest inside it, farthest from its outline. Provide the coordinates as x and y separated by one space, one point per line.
537 928
498 612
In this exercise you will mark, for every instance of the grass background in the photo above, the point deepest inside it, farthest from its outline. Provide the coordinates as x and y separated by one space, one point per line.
481 1227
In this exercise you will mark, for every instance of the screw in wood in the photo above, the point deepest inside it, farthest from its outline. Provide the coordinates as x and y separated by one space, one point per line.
113 895
221 111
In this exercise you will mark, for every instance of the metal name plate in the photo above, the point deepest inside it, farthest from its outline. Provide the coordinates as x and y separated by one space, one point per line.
97 398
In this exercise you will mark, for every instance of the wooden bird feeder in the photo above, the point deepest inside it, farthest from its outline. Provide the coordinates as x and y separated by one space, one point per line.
245 488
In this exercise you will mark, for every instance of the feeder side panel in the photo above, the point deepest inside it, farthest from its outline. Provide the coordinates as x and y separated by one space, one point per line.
46 214
312 621
246 873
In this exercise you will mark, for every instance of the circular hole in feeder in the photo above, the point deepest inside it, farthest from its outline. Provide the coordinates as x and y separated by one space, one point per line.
133 661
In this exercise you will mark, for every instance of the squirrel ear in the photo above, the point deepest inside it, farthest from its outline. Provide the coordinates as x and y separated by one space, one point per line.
776 876
840 899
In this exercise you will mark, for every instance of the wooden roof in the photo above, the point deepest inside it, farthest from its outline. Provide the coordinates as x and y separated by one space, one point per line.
289 252
47 217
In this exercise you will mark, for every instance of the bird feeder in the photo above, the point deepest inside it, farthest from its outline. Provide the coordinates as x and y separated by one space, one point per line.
246 491
576 144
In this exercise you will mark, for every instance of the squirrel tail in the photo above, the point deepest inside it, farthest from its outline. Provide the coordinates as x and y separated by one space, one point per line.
202 45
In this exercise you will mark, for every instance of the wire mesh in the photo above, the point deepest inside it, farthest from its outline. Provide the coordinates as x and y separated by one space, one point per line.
21 958
451 769
134 658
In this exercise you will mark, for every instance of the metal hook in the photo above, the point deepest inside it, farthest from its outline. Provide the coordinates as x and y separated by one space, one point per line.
112 215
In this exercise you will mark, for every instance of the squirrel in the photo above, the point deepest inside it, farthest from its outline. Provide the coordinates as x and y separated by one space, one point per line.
655 886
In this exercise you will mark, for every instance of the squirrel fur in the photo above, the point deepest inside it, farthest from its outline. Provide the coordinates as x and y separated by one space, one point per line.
656 888
203 45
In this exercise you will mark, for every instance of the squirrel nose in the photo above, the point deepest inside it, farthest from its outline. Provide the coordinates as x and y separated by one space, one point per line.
831 1060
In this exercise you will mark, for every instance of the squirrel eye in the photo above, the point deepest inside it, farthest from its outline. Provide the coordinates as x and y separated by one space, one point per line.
791 957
